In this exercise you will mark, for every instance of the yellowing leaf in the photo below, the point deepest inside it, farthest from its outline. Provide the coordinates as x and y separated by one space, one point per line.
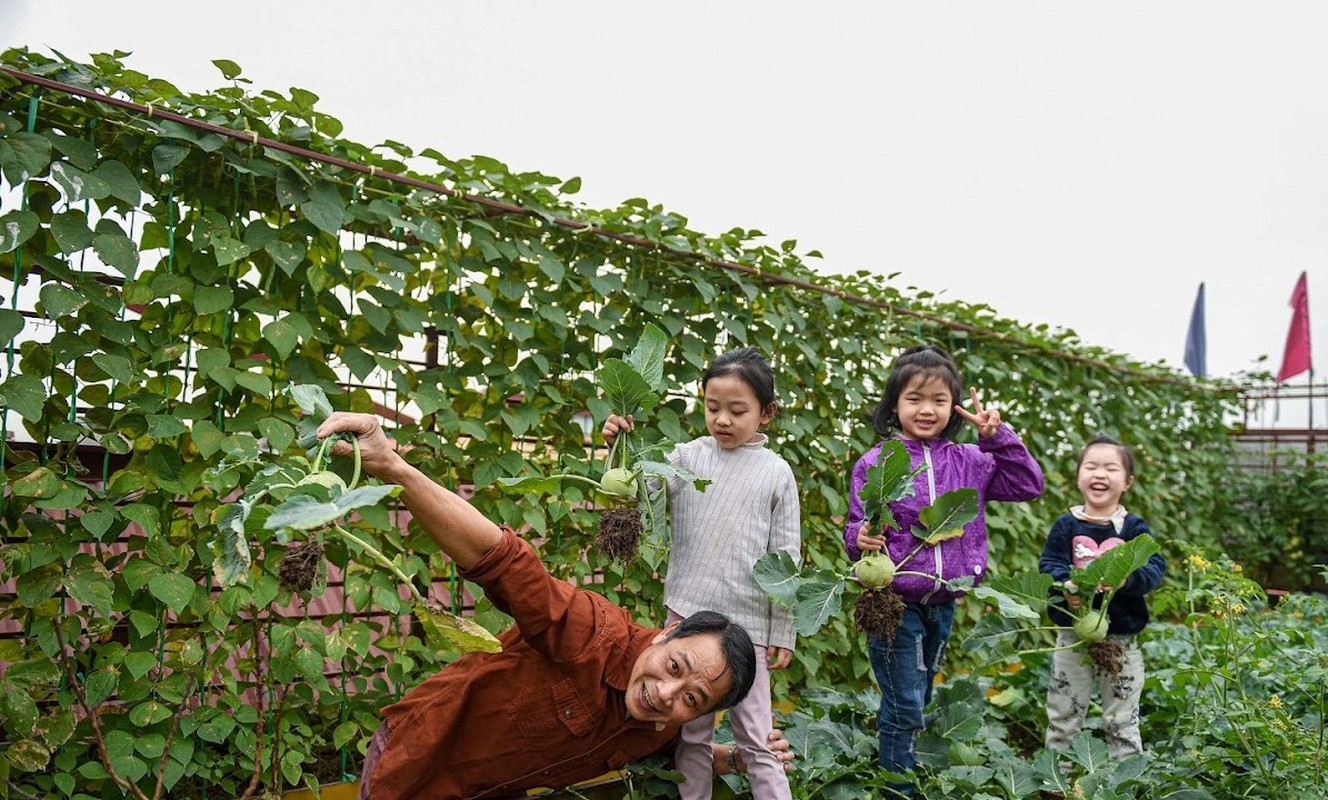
448 630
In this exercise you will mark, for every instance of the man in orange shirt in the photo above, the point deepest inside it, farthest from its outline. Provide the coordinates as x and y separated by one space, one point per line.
579 689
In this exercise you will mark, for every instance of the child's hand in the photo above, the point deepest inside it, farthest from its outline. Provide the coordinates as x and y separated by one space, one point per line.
867 542
1072 596
778 657
614 425
987 420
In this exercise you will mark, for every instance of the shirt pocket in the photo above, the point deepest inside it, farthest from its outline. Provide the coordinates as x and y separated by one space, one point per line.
545 711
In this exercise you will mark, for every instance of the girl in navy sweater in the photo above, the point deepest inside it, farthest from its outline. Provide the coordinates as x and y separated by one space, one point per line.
1106 472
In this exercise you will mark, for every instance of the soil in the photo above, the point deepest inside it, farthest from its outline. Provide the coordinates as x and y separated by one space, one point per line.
1108 656
301 565
878 612
619 533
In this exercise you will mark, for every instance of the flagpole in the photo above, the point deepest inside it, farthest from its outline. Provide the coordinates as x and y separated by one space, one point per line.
1310 399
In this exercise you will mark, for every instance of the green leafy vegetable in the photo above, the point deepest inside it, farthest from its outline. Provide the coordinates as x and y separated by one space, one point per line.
888 480
633 485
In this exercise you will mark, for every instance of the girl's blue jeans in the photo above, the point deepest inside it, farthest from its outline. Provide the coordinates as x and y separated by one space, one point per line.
905 672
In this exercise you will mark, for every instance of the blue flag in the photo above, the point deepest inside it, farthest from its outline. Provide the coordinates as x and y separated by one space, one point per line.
1196 341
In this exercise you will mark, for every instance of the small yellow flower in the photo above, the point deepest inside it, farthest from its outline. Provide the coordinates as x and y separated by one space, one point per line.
1236 568
1238 608
1275 701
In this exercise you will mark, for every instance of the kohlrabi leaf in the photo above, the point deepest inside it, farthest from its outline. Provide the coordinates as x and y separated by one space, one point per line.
1049 767
654 546
665 470
889 480
306 434
1090 753
994 637
946 517
778 576
442 629
1111 568
304 512
230 551
311 400
315 408
624 388
532 484
647 358
1019 594
1009 606
272 477
659 451
818 599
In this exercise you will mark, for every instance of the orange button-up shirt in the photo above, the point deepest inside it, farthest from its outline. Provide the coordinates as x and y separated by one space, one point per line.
549 710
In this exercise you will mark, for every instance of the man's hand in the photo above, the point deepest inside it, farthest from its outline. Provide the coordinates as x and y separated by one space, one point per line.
457 527
378 453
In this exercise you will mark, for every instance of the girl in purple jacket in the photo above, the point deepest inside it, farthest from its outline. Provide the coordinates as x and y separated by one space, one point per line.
920 409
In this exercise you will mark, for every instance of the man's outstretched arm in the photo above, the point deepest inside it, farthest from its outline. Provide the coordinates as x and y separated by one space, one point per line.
459 530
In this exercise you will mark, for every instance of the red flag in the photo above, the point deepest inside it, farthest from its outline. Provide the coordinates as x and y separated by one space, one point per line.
1296 357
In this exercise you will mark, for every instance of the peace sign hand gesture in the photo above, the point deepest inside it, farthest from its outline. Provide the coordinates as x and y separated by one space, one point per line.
987 420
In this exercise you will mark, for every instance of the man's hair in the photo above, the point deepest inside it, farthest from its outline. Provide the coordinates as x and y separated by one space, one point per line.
739 655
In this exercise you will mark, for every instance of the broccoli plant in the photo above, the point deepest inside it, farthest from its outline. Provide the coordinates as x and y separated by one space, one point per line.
632 488
816 595
301 500
1022 599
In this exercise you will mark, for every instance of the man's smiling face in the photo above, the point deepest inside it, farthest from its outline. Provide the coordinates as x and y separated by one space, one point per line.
677 680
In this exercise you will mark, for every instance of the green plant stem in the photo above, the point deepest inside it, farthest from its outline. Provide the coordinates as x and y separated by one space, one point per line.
355 473
381 559
322 452
577 479
1318 766
851 576
614 449
1054 649
1228 637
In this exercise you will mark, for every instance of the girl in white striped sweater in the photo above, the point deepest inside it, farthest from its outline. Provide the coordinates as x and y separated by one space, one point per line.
749 509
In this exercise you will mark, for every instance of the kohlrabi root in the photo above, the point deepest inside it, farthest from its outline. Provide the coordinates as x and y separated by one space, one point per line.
301 566
878 612
619 533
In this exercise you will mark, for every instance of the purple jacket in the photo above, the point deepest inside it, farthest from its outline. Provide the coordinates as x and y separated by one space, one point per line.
999 467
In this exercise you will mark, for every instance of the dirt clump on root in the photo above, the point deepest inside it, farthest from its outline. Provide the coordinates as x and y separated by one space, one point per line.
301 566
619 535
878 612
1108 657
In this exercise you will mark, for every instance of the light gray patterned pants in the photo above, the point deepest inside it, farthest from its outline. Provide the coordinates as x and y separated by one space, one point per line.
1073 677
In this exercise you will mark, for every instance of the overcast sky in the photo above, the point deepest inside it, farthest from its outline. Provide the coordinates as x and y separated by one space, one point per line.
1081 165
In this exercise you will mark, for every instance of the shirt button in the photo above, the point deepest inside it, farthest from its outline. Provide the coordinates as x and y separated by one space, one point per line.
977 570
568 713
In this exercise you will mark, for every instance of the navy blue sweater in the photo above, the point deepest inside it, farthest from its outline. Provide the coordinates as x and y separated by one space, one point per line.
1128 612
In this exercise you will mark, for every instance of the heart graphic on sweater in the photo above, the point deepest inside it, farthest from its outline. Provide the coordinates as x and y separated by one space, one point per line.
1084 549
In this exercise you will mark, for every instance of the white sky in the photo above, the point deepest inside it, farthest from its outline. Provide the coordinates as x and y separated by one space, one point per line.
1081 165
